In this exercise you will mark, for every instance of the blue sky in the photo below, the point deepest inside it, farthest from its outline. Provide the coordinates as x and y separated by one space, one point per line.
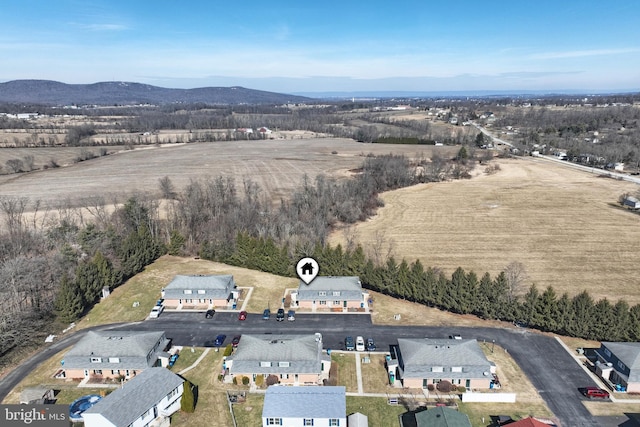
319 46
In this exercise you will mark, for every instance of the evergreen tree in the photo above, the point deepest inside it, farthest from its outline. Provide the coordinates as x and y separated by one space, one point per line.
68 303
188 401
548 310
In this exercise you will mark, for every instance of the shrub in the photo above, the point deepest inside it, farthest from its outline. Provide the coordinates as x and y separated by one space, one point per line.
259 380
235 380
431 387
188 402
462 389
245 380
272 380
444 386
228 350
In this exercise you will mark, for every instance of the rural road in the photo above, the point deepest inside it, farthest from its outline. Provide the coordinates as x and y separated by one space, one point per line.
553 371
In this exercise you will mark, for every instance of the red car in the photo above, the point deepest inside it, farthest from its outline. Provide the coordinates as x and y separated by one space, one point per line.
242 315
595 392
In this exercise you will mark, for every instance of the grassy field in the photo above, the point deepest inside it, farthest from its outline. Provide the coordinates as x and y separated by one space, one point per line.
562 224
346 363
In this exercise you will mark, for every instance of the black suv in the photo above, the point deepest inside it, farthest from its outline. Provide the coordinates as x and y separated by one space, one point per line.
280 315
348 344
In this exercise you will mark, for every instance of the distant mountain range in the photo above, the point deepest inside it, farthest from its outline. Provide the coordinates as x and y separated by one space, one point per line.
124 93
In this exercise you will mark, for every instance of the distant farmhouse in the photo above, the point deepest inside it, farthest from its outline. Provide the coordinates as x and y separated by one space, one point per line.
200 292
344 293
114 354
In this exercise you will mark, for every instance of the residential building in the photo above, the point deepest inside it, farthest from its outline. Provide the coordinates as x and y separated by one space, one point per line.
440 416
200 292
422 361
343 293
528 422
149 399
114 354
305 406
619 364
287 359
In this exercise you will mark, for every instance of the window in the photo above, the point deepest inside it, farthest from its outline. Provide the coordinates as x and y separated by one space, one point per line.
187 291
334 422
96 360
323 303
621 365
201 292
322 294
115 372
336 293
336 303
274 421
114 360
437 369
265 364
607 352
308 422
172 393
284 364
456 369
97 371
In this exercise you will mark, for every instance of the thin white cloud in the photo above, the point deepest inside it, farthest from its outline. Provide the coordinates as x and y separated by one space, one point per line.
583 53
103 27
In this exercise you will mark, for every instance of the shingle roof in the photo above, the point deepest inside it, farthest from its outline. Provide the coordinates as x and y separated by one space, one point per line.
131 347
305 402
214 286
303 352
349 287
629 354
442 417
126 404
420 355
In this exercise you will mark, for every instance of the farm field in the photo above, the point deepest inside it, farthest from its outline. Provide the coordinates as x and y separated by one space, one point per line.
564 226
276 165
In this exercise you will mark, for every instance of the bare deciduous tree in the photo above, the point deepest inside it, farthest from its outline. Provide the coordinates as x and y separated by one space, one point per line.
516 275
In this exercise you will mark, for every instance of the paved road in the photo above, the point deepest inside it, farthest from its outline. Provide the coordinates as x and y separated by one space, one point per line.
550 368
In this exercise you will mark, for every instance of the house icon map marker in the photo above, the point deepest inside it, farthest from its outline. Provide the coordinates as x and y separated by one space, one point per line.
307 269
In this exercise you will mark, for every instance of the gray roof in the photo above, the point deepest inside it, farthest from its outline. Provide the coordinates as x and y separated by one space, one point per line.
437 417
30 394
629 354
303 352
349 287
131 347
357 420
201 286
420 355
136 396
305 402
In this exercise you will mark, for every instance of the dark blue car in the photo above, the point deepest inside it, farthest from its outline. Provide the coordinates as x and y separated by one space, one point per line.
219 340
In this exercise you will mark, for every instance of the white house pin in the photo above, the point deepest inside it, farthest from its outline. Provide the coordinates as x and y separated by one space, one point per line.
307 269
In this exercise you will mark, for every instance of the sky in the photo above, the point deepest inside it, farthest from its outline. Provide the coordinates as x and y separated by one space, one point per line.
306 46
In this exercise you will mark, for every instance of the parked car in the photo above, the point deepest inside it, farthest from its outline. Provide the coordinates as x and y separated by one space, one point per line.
595 393
348 344
156 311
172 359
280 315
242 315
266 314
371 345
219 340
235 341
209 314
291 316
455 337
360 343
160 301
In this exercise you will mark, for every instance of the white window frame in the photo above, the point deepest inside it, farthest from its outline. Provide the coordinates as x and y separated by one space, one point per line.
96 360
187 291
114 360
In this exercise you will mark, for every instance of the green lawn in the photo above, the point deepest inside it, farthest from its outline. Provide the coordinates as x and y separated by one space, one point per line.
249 413
379 412
346 364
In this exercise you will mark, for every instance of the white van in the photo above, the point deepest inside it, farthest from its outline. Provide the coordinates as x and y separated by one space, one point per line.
155 311
359 344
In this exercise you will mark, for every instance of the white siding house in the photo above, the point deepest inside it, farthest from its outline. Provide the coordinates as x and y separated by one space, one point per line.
305 406
152 396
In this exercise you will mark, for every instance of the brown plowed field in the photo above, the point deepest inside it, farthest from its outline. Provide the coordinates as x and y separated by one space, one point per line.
277 165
